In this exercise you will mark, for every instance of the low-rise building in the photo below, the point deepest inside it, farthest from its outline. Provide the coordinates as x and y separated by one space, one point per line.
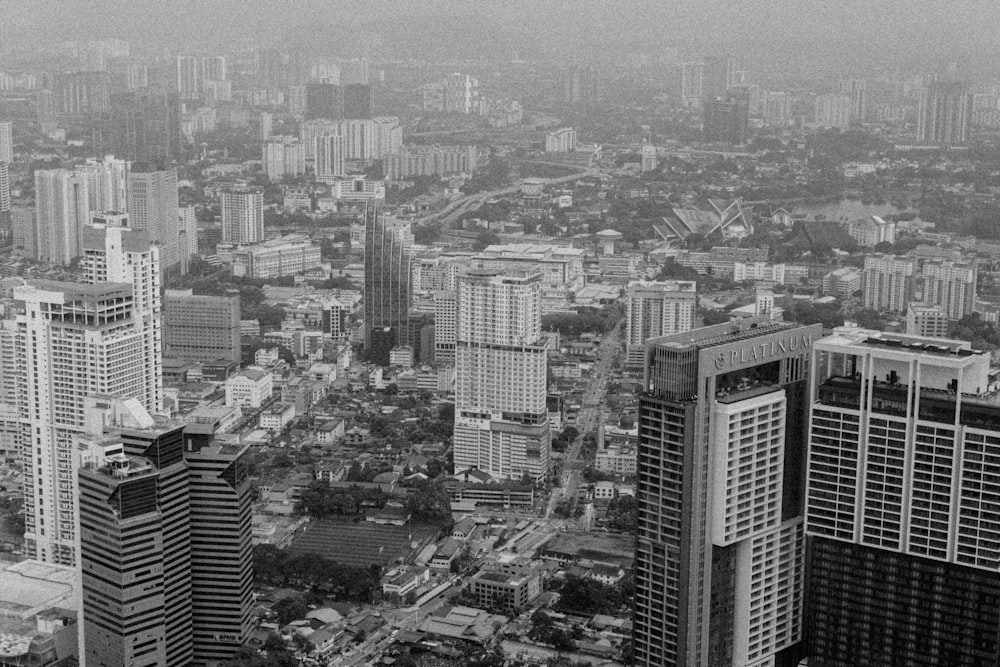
277 417
505 592
276 258
249 388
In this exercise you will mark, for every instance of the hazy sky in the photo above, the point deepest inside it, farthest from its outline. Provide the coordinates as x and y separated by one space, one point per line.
847 30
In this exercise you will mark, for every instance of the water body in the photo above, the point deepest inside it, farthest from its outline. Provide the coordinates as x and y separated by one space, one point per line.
847 210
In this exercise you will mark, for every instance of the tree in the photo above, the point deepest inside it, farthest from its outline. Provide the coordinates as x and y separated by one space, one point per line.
270 317
290 609
485 239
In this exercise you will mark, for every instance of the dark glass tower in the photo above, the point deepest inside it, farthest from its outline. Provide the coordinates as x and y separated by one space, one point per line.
387 285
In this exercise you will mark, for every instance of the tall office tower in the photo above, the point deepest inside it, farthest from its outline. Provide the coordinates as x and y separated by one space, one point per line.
75 340
833 110
213 68
81 93
324 100
162 498
777 108
657 309
951 286
201 328
329 152
139 126
107 183
726 121
501 364
387 295
718 76
188 244
62 207
857 90
888 282
284 156
153 204
6 141
944 113
692 80
4 188
445 325
579 85
188 77
242 216
901 518
720 543
358 100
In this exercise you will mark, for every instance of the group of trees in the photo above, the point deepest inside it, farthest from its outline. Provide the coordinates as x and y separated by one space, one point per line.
622 514
561 442
274 653
586 320
321 501
323 578
973 328
545 631
589 596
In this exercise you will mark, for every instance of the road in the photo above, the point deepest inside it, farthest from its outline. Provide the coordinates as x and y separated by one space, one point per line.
457 207
593 401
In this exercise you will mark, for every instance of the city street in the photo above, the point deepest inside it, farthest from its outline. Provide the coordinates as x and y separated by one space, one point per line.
590 413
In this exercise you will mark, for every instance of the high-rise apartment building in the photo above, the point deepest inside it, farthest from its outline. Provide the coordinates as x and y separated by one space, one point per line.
242 216
107 183
75 340
657 309
201 328
501 363
833 110
165 547
213 68
888 282
562 140
720 563
579 85
81 93
429 161
329 156
944 113
6 141
777 108
284 156
951 286
719 75
62 208
692 78
365 139
857 91
445 326
4 188
387 294
153 206
902 491
189 77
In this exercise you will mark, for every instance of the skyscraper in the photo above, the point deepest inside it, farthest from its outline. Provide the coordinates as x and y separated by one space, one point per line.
4 188
62 207
579 85
6 141
657 309
138 126
189 77
283 156
888 282
163 497
950 285
107 183
720 542
358 100
242 216
387 296
944 113
501 362
719 75
329 152
901 518
833 110
153 206
726 120
201 328
857 91
324 100
75 340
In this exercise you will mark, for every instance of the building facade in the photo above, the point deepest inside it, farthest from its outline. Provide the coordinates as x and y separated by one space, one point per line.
951 286
501 361
242 216
74 340
62 208
720 542
657 309
153 206
900 503
888 282
201 328
387 295
944 113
